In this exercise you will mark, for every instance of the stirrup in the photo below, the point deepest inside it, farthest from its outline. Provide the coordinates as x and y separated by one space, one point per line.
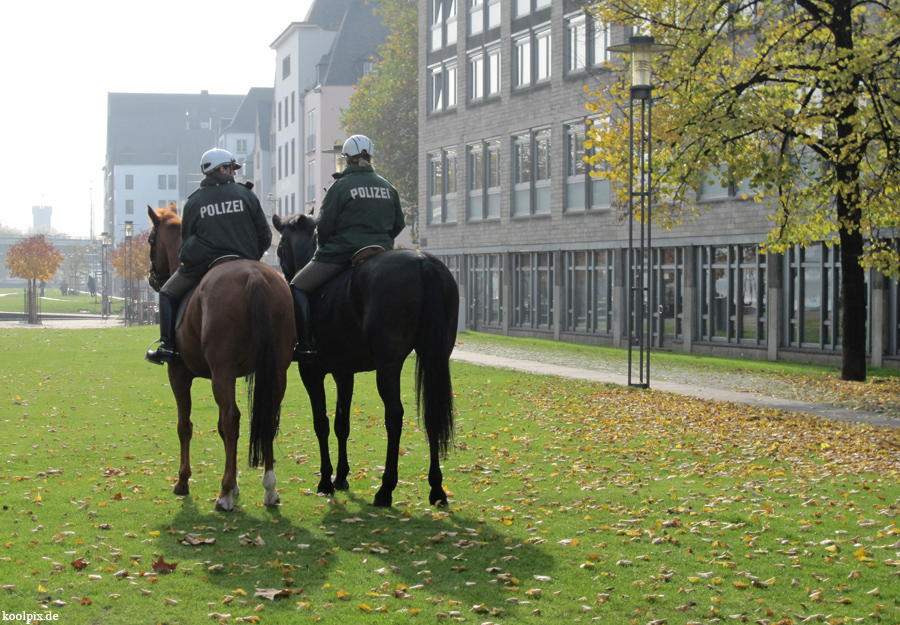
304 356
161 355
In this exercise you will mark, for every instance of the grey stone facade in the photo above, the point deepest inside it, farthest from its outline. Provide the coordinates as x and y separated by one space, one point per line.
717 290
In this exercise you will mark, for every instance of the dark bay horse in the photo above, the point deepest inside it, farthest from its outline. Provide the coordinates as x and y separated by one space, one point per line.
234 326
372 317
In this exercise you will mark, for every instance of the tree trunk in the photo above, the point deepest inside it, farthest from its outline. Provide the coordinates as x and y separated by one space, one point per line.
32 301
853 301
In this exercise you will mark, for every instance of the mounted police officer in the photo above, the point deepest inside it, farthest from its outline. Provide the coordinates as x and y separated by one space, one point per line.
221 219
360 211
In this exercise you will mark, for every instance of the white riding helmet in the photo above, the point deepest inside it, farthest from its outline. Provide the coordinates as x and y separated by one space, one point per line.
358 144
216 158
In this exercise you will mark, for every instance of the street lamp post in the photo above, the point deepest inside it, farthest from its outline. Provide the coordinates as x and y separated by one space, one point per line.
104 286
639 324
129 232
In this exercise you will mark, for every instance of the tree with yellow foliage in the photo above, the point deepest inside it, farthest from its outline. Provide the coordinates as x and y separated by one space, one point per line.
33 259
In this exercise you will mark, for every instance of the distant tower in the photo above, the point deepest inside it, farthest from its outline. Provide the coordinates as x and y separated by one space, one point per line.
41 215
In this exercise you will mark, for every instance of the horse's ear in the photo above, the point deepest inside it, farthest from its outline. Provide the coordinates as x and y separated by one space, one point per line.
276 221
174 208
154 218
311 211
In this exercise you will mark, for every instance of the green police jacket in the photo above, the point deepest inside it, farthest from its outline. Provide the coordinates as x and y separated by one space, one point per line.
360 209
221 219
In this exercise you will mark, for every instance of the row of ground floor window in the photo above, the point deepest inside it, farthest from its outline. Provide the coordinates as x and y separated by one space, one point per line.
728 300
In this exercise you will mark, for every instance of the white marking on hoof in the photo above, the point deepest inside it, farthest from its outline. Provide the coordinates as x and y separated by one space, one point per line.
271 497
224 504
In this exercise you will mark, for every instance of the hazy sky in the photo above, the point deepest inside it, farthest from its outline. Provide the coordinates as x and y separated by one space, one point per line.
61 58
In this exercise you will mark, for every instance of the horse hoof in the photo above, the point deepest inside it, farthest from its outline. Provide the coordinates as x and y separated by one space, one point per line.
221 508
341 485
181 491
274 503
382 502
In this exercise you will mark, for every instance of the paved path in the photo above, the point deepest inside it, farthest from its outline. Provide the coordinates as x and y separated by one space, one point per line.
753 399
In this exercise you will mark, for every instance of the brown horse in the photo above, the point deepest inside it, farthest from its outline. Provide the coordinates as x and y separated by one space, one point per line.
239 322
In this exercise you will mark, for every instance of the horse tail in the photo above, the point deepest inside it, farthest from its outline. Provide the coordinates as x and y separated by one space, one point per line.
263 401
434 391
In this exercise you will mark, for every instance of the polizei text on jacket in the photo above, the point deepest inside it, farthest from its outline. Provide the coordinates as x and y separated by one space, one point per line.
220 208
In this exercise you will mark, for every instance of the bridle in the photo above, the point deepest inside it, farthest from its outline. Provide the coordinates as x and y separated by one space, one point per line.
154 278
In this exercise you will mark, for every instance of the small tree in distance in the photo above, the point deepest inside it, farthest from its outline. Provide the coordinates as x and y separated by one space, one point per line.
132 263
33 259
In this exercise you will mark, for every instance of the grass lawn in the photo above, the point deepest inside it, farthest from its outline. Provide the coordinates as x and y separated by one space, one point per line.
569 501
13 300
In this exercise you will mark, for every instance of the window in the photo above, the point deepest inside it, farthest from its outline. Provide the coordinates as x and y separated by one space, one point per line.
161 181
311 130
600 41
286 67
161 203
279 116
732 290
442 86
293 157
450 36
241 146
129 207
522 174
576 43
483 176
484 72
812 280
311 181
522 47
584 189
293 107
524 7
279 162
173 182
483 15
129 181
588 291
476 76
443 24
442 186
532 283
484 290
531 174
532 57
667 308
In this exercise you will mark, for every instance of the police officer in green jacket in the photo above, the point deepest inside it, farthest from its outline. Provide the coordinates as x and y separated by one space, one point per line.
221 219
360 210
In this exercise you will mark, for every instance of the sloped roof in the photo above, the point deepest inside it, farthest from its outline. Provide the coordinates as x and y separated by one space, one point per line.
246 115
327 13
360 34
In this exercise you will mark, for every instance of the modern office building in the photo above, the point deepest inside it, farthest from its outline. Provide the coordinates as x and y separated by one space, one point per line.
318 63
538 246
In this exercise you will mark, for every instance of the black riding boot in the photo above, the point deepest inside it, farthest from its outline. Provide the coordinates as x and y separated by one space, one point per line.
304 352
166 350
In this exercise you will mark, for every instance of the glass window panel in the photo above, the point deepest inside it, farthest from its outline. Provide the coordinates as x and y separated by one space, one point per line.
543 55
493 82
451 85
476 77
523 62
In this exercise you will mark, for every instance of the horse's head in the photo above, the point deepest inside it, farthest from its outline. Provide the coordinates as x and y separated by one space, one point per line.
165 241
298 242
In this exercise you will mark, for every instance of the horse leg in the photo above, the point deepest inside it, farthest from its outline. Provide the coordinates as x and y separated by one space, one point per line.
229 431
315 388
269 482
388 382
180 380
437 496
344 383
